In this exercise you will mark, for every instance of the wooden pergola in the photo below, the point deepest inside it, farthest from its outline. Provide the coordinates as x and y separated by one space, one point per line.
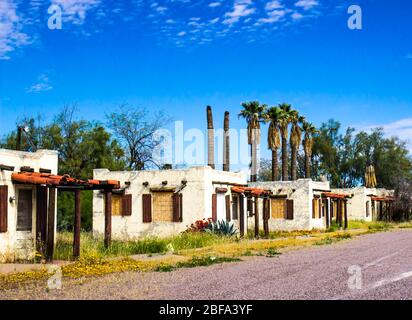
385 207
254 193
341 199
47 185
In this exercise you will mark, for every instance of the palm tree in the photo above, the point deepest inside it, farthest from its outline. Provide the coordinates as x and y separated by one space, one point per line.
295 140
309 131
284 121
210 138
273 115
254 113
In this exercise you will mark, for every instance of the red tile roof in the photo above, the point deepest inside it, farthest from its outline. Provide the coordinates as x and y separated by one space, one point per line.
254 191
65 180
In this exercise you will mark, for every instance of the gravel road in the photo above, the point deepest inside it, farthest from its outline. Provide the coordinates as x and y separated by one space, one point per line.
383 259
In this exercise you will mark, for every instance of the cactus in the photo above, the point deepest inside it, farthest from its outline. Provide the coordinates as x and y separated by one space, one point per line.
222 227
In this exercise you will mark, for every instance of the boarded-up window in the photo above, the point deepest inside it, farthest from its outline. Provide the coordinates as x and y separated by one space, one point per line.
24 210
121 205
3 208
279 207
116 205
317 208
289 210
163 207
235 207
147 208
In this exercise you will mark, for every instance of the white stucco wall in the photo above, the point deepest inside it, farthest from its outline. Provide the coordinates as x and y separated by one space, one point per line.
17 244
301 192
197 199
360 198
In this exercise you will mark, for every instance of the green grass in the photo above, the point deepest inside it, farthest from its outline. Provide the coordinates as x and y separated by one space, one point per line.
196 262
334 239
94 247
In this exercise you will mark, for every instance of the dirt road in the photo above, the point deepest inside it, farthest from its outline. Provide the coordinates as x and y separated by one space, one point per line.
378 266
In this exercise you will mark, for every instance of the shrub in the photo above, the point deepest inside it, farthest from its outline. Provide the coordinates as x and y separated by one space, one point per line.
199 225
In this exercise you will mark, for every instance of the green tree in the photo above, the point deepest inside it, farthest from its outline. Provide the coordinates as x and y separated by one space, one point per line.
82 146
134 128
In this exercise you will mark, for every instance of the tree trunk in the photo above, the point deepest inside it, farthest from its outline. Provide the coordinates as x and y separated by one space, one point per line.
307 166
253 177
284 159
275 165
226 144
211 138
293 163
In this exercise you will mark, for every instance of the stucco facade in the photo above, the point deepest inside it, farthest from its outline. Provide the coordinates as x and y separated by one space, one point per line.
196 185
302 192
18 241
361 205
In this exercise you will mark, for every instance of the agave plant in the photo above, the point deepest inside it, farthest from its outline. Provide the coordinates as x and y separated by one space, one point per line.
222 227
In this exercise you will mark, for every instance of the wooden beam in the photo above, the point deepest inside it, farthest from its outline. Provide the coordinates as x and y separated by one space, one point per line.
77 223
3 167
108 219
26 169
256 217
51 213
42 170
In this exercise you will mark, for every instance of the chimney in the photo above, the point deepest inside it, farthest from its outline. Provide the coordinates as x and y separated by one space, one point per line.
226 143
210 138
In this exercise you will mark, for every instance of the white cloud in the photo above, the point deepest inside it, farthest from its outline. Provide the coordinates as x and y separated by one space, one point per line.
241 8
43 84
182 33
401 128
272 5
296 16
307 4
273 16
215 4
11 25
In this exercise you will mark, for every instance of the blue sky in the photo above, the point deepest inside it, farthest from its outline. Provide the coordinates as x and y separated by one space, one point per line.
181 55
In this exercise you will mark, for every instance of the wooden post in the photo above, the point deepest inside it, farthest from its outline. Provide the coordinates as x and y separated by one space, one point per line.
51 212
77 224
346 214
257 217
108 219
41 218
340 213
242 215
266 212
